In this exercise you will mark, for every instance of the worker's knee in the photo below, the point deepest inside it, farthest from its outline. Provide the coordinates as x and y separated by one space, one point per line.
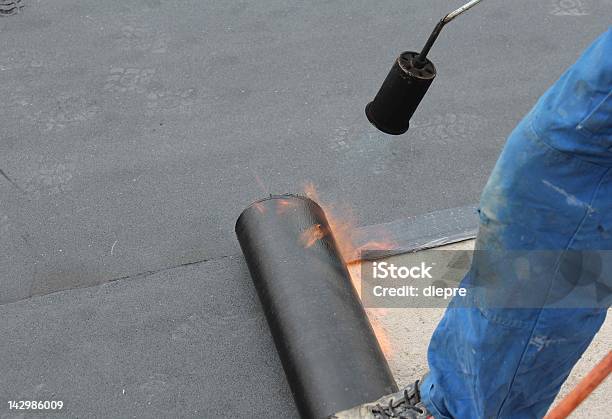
575 115
536 196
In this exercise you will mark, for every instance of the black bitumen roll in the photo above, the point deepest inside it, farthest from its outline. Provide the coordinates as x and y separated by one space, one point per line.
326 344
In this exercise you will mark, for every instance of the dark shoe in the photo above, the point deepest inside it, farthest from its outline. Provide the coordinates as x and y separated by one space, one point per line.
405 404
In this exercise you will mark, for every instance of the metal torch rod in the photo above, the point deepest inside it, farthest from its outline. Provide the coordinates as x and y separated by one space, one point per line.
420 59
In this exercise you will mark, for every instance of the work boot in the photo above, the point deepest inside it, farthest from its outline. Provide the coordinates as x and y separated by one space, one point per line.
405 404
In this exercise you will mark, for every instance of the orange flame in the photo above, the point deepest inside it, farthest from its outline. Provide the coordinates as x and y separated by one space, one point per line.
346 236
343 228
374 314
312 234
379 331
265 189
259 207
284 205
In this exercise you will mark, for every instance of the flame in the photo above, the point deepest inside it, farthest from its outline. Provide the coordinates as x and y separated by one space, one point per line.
374 314
342 228
378 245
346 236
379 330
264 188
312 234
342 225
259 207
284 205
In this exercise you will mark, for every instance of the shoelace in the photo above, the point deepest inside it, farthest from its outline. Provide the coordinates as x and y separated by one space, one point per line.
389 411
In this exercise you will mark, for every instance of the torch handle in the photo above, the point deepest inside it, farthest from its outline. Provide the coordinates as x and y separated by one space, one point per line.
420 59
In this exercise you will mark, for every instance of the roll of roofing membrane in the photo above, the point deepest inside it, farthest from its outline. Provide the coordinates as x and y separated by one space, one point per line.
326 344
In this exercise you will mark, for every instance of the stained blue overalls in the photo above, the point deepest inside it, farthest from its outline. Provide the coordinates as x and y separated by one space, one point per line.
550 194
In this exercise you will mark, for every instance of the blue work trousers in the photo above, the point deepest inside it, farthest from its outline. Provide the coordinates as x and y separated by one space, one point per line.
550 194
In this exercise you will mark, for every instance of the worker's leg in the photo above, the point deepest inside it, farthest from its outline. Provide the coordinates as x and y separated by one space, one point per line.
551 190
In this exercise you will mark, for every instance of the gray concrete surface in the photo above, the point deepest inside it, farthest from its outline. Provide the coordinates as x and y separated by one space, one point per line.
132 134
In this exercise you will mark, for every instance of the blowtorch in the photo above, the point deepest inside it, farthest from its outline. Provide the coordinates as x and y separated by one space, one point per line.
406 84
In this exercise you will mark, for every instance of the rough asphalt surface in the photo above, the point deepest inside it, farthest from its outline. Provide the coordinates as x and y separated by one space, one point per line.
134 132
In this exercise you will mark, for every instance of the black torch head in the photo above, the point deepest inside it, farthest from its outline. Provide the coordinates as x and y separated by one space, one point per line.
401 93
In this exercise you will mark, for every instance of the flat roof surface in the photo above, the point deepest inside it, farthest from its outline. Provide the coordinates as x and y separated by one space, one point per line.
133 133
